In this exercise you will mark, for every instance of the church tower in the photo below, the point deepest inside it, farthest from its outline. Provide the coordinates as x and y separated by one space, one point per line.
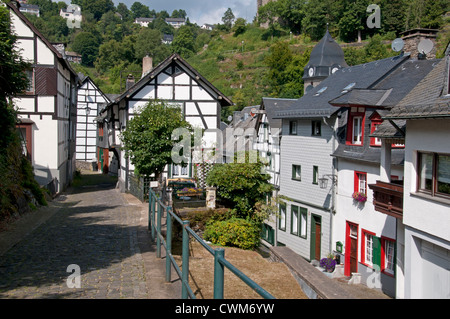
326 58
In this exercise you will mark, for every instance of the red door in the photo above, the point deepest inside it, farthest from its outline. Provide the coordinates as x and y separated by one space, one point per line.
351 249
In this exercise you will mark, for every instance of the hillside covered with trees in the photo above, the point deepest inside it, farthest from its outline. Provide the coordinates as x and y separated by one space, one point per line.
241 58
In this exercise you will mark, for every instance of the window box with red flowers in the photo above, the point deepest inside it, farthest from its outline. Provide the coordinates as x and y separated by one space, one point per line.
360 197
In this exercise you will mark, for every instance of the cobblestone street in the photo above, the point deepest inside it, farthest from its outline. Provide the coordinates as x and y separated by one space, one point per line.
101 231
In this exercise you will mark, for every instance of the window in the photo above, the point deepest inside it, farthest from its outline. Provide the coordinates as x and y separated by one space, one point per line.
357 130
370 249
315 175
321 91
374 123
368 253
30 77
303 216
388 255
355 126
297 172
282 218
316 129
292 128
360 182
294 220
434 174
298 221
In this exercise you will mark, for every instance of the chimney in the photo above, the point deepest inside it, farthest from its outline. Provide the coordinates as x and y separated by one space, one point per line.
130 81
421 43
147 65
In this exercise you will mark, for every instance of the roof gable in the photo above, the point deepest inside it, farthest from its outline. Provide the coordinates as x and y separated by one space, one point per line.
178 63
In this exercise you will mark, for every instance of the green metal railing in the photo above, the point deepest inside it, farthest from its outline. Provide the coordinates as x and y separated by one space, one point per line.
155 212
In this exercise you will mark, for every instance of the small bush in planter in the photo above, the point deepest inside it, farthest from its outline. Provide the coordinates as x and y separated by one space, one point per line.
234 232
328 263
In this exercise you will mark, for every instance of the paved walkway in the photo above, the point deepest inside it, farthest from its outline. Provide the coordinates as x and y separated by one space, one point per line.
95 228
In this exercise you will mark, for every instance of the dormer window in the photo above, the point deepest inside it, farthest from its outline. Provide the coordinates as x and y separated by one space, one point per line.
355 126
357 130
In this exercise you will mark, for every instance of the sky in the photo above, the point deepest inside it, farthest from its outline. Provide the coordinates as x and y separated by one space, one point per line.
200 11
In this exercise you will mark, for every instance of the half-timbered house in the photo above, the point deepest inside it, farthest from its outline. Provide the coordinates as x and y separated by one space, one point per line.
47 110
90 100
176 82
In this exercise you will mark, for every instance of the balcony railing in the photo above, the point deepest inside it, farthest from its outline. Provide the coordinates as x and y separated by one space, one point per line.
388 198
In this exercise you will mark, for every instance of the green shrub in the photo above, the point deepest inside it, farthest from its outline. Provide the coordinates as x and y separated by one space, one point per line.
234 232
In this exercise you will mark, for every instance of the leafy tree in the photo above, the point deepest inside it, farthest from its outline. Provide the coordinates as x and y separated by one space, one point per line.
140 10
353 20
124 12
179 14
184 42
86 44
148 140
13 78
240 185
96 7
228 18
240 26
148 42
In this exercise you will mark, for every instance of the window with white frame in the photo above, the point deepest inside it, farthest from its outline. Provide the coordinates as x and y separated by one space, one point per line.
282 218
357 130
368 258
389 253
361 182
294 220
303 221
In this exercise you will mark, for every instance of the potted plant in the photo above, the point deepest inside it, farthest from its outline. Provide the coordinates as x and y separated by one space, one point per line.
328 263
360 197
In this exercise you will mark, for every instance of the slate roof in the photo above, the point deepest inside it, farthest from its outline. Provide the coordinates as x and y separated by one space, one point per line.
391 89
429 98
316 102
325 54
271 106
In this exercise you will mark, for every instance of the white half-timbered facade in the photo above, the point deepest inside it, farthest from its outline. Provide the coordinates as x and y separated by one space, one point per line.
47 110
90 101
176 82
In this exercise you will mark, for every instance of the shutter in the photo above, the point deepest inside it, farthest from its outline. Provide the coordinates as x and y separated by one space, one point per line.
376 253
169 170
45 81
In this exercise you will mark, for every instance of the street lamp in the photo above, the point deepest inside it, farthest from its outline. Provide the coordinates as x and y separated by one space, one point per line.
323 182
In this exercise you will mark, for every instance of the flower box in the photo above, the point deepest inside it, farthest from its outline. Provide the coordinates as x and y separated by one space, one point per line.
360 197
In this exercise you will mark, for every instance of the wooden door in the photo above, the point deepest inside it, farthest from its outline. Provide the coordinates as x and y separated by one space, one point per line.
316 231
351 249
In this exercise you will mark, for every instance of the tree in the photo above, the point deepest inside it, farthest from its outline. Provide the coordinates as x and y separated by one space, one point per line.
184 42
140 10
13 78
96 7
353 21
148 42
148 140
240 185
240 26
228 18
86 44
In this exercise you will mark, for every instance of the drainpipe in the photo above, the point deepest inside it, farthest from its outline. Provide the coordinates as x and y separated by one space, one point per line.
333 186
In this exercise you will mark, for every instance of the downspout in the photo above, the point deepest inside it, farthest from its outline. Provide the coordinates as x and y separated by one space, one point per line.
333 186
